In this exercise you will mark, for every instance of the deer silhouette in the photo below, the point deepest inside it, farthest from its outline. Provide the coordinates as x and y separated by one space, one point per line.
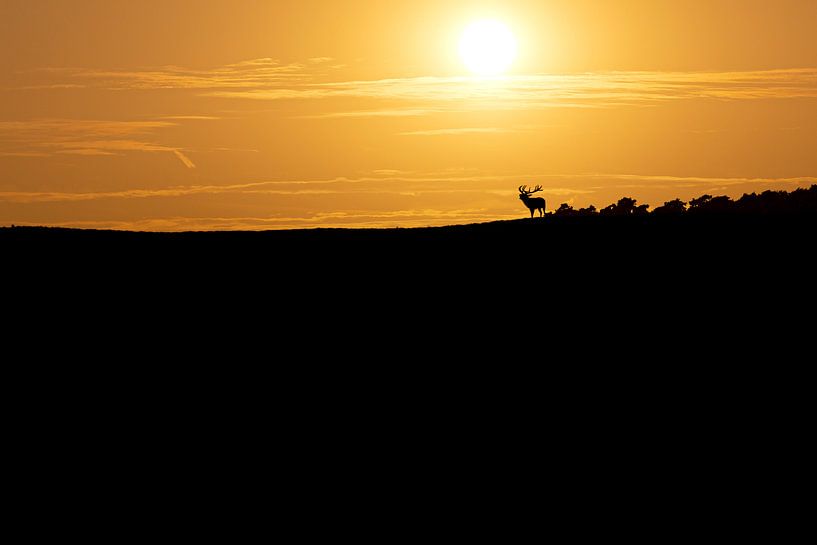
537 203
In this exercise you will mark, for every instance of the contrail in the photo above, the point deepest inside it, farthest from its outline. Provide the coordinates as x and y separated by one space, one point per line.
184 159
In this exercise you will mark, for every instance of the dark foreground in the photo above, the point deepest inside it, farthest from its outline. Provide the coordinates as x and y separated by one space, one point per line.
539 250
574 321
539 234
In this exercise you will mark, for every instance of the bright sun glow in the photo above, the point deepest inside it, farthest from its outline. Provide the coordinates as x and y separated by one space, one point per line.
488 48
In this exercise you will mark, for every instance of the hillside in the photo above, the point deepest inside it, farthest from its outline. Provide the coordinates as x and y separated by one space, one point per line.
556 278
767 214
773 232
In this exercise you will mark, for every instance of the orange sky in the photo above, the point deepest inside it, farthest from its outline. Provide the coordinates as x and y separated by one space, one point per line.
183 114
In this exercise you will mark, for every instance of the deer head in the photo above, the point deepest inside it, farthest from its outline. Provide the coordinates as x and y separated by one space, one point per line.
524 192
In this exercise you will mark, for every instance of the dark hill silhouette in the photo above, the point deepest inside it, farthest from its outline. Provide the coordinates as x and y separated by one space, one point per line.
800 204
757 230
543 292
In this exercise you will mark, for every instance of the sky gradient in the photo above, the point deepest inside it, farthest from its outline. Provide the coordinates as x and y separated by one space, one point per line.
188 115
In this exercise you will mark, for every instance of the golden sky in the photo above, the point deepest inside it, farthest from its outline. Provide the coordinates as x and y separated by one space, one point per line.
253 114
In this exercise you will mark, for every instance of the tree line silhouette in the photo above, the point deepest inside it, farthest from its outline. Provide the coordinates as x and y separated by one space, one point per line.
799 201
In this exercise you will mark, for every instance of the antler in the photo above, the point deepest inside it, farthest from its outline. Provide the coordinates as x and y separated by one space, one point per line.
524 190
537 189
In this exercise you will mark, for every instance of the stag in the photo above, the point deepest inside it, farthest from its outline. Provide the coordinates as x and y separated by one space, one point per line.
537 203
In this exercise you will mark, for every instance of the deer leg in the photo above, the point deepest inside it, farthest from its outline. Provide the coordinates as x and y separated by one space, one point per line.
531 213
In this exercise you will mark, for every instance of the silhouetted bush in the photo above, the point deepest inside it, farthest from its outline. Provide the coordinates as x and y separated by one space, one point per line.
674 207
707 204
799 201
565 211
625 207
699 202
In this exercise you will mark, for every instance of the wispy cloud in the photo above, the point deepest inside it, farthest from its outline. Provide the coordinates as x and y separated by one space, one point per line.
51 86
43 137
387 182
658 178
547 91
284 187
190 117
88 152
269 79
184 158
67 128
23 154
343 218
406 112
395 182
254 73
456 131
403 199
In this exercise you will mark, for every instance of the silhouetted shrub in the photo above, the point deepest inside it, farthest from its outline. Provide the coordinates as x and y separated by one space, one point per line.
707 204
675 207
699 202
565 210
779 202
799 201
624 207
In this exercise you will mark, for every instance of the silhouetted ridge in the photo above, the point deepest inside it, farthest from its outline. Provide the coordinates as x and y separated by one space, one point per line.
799 201
800 204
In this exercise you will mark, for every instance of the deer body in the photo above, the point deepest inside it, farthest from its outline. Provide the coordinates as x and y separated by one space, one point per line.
536 203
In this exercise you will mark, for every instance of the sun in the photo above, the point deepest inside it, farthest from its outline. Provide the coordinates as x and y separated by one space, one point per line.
488 47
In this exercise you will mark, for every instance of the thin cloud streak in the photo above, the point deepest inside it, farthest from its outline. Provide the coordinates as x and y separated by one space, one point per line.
269 79
350 219
23 154
688 179
457 131
190 117
255 73
408 112
184 158
87 152
89 138
547 91
404 183
67 128
339 186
